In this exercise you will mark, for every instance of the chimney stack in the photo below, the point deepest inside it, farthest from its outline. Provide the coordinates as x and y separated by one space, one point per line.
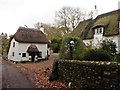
95 12
42 28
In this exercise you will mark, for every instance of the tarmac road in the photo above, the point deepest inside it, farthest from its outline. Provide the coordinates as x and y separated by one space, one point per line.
13 78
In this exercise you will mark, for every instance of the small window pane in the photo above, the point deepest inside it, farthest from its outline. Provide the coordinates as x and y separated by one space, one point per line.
13 44
23 54
100 30
13 54
40 55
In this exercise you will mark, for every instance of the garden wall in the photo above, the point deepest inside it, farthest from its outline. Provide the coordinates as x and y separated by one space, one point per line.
83 74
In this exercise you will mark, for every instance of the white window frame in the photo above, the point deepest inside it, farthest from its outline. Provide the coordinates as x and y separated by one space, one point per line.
23 54
99 30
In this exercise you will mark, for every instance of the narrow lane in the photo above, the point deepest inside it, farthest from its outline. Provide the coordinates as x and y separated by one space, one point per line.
13 78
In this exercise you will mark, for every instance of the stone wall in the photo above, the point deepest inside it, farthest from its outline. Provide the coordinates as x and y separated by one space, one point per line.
84 75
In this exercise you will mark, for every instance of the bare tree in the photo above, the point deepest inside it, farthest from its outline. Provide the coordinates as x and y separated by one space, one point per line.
69 17
90 14
37 25
50 30
93 13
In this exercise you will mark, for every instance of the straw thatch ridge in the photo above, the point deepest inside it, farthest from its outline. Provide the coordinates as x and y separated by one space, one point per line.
80 28
30 35
84 34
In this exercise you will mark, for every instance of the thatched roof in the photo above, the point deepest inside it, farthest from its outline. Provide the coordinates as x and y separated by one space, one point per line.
29 35
80 28
108 20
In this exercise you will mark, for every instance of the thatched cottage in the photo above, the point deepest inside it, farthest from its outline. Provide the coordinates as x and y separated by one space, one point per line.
28 44
104 26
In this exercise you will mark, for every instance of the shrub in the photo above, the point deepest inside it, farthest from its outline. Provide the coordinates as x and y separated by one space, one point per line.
78 49
116 58
55 44
97 55
109 46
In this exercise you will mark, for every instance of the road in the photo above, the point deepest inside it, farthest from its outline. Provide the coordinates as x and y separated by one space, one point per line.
13 78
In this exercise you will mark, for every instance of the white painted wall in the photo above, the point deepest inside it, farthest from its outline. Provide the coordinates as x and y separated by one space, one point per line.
22 48
119 38
98 37
88 42
115 39
13 49
97 40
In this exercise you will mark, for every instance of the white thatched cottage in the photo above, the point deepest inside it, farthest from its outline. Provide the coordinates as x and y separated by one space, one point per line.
28 43
104 26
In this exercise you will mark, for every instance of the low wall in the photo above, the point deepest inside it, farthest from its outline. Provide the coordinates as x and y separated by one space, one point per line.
104 75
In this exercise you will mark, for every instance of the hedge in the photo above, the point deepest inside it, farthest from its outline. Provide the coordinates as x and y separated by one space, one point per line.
90 74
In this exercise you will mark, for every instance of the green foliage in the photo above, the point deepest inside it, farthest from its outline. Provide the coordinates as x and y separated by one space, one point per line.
5 44
97 55
55 44
116 58
109 46
78 48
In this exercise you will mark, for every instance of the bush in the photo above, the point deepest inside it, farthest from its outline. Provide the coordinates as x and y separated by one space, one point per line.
116 58
97 55
109 46
77 50
55 44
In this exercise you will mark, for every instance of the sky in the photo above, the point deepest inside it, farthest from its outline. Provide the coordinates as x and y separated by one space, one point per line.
15 13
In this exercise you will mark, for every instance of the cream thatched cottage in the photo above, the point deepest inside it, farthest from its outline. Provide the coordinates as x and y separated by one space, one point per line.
28 43
104 26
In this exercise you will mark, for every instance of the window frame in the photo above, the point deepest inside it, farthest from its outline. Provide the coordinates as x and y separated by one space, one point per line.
40 54
13 44
13 54
23 54
99 30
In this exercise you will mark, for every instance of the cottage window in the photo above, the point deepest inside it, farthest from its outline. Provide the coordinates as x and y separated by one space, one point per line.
13 44
23 54
99 30
40 55
13 54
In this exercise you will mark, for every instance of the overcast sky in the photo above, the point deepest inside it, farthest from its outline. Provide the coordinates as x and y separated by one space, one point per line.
15 13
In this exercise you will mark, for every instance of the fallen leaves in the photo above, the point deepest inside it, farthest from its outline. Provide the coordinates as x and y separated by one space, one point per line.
39 73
